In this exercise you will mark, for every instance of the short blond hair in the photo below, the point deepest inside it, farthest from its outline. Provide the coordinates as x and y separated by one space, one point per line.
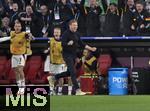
72 21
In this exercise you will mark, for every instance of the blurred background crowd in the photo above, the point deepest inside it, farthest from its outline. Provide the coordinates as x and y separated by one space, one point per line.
95 17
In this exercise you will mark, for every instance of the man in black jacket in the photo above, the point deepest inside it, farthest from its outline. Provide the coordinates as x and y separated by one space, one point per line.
92 20
46 18
32 21
80 16
62 14
140 21
13 14
70 43
112 21
127 18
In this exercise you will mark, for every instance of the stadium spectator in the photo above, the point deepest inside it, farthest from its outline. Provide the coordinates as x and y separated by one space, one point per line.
21 4
6 7
105 4
148 6
38 3
61 11
80 15
140 22
13 14
5 29
25 17
14 11
112 21
27 2
32 21
93 22
121 6
9 3
36 25
70 42
46 17
127 18
61 14
2 10
51 5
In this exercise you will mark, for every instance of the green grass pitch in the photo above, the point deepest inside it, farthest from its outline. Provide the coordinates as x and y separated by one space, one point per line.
100 103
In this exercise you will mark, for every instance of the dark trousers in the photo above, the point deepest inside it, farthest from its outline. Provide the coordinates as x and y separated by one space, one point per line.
70 61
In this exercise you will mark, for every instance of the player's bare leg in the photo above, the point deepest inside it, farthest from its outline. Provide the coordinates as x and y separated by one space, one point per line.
20 79
16 71
51 81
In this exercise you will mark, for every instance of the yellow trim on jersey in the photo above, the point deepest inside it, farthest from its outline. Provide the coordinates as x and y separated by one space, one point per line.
89 62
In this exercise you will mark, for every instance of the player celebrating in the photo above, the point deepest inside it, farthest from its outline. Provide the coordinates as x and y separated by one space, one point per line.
70 43
57 64
19 48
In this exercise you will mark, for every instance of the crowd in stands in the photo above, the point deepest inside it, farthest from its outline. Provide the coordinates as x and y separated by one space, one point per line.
127 18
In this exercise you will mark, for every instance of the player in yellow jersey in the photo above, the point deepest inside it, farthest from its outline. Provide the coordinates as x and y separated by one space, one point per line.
57 64
19 48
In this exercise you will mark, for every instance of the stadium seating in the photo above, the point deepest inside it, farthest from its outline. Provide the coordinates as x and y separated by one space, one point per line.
2 66
3 70
11 74
34 70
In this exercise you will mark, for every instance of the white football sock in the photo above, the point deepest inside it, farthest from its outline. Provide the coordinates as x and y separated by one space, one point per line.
59 89
69 90
51 88
19 83
22 85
